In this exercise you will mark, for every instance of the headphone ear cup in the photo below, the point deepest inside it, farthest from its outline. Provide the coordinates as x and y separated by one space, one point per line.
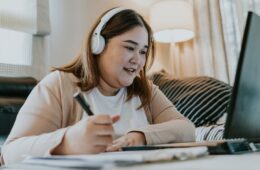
98 44
97 40
102 44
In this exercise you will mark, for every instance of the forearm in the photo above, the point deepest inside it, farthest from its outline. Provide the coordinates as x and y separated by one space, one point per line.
14 150
179 130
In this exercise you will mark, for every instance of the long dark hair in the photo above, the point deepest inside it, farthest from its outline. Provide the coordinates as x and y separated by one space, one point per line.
85 65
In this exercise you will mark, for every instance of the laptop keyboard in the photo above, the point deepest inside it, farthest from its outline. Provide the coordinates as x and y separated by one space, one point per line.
234 147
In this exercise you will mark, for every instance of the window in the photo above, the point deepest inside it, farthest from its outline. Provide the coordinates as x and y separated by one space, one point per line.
23 25
16 47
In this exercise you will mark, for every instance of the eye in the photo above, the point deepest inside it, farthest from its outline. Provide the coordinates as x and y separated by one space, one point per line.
129 48
143 52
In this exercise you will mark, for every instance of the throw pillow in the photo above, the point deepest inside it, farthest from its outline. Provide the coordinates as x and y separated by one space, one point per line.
201 99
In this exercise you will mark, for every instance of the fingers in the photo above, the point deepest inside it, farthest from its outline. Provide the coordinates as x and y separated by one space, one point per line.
101 125
100 132
113 148
115 118
101 119
103 129
118 144
130 139
105 119
104 140
99 149
93 135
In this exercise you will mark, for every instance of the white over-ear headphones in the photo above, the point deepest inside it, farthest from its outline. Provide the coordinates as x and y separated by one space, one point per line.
97 40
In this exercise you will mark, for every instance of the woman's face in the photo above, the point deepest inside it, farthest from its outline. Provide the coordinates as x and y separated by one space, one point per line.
123 58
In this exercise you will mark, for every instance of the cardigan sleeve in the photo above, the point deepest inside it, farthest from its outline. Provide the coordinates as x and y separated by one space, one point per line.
39 124
167 124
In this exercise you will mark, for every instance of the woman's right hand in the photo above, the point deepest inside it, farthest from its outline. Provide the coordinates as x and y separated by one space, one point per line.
88 136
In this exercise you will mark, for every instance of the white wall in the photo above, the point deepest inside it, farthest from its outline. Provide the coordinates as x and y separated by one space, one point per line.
72 19
67 30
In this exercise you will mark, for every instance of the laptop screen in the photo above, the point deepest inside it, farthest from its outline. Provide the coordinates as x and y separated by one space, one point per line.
243 120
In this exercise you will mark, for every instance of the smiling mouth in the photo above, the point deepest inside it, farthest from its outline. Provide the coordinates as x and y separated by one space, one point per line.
130 70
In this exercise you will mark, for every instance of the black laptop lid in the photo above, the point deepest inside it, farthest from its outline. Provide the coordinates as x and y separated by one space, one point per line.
243 120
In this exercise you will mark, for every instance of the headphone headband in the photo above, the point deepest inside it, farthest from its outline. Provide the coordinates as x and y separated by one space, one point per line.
98 41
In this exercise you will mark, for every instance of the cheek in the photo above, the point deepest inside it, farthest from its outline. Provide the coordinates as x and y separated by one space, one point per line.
121 57
142 63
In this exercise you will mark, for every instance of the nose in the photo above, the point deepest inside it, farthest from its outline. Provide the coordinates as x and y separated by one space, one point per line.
136 58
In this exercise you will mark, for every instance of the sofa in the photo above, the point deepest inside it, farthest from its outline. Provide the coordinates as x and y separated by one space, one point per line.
13 93
204 100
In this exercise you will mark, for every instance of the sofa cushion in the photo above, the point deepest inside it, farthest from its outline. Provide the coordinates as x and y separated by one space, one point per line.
201 99
16 86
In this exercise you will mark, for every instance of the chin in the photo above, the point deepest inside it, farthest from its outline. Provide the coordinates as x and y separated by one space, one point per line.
127 83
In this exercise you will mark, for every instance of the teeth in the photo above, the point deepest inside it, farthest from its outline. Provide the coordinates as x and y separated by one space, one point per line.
130 69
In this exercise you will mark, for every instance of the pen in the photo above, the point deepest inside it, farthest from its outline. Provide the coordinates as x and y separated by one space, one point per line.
78 96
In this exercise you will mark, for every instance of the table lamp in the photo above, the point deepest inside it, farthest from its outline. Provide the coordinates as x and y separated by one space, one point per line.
172 21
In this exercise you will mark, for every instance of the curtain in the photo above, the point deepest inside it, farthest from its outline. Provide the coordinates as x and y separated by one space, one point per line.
234 13
205 54
214 51
23 27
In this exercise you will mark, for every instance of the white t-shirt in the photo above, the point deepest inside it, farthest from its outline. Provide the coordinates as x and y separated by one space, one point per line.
130 117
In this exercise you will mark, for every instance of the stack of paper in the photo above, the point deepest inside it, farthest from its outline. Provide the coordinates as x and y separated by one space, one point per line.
125 158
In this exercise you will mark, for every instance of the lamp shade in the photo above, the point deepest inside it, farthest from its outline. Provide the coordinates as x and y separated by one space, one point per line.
172 21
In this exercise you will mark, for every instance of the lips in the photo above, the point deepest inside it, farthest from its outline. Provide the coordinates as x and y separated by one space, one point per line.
130 70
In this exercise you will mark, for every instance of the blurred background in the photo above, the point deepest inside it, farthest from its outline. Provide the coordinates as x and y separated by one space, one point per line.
38 34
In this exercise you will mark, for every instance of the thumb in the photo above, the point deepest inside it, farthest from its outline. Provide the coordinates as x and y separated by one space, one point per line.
115 118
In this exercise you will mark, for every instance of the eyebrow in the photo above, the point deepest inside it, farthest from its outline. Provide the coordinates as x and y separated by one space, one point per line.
135 43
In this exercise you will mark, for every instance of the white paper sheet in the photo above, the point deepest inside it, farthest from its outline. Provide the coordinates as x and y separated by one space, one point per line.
118 158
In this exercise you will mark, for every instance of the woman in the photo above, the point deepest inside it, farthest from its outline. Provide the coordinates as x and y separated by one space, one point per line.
110 72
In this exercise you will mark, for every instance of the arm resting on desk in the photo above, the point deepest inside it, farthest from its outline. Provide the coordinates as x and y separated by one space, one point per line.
167 125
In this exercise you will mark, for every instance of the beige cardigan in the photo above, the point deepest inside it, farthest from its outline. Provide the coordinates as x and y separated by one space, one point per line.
50 109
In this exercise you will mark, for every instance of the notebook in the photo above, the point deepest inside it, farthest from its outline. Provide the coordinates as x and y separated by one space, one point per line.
243 119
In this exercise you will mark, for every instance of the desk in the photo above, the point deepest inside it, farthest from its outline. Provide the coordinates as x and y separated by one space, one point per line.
250 161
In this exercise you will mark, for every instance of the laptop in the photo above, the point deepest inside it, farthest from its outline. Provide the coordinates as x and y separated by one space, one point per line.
243 119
